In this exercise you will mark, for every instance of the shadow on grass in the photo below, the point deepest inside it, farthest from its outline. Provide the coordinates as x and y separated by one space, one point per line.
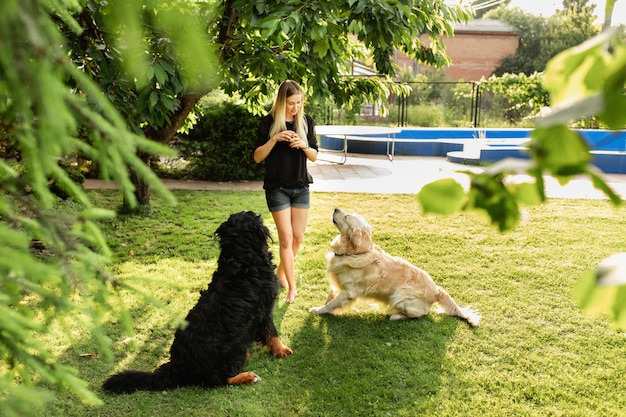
350 364
364 364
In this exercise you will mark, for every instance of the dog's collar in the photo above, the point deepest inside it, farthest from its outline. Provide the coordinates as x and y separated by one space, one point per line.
354 254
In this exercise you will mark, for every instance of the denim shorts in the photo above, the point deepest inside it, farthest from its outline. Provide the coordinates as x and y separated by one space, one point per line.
282 198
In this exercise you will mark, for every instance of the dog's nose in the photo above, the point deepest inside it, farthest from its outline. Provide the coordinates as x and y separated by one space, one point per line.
335 215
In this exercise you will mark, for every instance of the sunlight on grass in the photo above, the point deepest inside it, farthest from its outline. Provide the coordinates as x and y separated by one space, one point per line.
535 353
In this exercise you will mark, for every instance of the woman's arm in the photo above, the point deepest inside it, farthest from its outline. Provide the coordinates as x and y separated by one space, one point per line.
264 143
311 151
263 151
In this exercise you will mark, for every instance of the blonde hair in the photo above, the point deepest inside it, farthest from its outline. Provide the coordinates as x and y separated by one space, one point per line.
287 89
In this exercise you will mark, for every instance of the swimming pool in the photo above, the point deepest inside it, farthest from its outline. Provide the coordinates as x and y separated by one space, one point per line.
482 146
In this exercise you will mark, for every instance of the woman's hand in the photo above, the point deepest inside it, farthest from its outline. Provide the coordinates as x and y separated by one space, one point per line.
295 142
286 136
298 143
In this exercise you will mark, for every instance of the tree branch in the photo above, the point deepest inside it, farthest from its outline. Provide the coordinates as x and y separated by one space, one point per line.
165 133
227 27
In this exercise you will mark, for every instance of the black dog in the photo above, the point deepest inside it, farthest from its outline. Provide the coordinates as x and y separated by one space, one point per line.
234 312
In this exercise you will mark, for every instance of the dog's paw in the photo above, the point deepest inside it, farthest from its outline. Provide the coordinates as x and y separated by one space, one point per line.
244 378
277 349
282 353
318 310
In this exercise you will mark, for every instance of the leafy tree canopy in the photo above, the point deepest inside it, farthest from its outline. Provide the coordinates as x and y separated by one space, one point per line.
260 44
265 42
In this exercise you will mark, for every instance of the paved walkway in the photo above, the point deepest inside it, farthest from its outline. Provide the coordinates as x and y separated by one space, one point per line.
403 175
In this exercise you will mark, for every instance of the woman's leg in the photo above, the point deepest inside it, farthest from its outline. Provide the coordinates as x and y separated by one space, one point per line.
299 219
281 276
291 225
283 221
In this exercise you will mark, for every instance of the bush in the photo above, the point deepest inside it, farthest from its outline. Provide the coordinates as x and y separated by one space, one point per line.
524 95
426 115
221 145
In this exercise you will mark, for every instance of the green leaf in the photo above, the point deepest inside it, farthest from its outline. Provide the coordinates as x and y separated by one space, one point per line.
97 214
608 7
444 196
96 237
578 72
81 389
527 193
611 115
270 24
285 26
154 99
619 308
160 75
560 151
584 289
355 26
321 47
170 104
599 183
594 299
489 194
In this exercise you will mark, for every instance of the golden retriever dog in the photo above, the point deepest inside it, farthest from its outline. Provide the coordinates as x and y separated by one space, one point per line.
357 268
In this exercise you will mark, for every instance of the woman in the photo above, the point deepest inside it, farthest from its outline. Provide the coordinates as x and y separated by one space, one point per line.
286 139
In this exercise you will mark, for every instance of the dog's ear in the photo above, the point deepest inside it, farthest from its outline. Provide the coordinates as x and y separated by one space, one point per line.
356 237
360 240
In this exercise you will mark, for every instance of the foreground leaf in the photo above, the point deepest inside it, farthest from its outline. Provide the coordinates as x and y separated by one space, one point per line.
444 196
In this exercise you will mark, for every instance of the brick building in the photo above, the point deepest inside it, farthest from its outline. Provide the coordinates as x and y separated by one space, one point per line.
476 50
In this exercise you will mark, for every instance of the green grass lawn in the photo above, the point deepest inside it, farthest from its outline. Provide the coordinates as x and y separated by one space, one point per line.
535 353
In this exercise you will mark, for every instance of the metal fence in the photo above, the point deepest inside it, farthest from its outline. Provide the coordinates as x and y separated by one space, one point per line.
473 117
438 104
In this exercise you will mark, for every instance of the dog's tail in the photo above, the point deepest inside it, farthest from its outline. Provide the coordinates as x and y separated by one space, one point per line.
127 382
453 309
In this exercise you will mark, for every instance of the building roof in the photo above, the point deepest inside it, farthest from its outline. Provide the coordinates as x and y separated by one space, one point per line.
485 25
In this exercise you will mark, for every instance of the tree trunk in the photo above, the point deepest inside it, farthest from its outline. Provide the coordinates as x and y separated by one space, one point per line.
142 188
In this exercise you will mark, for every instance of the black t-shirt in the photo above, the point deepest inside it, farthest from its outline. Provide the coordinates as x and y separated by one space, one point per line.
285 166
